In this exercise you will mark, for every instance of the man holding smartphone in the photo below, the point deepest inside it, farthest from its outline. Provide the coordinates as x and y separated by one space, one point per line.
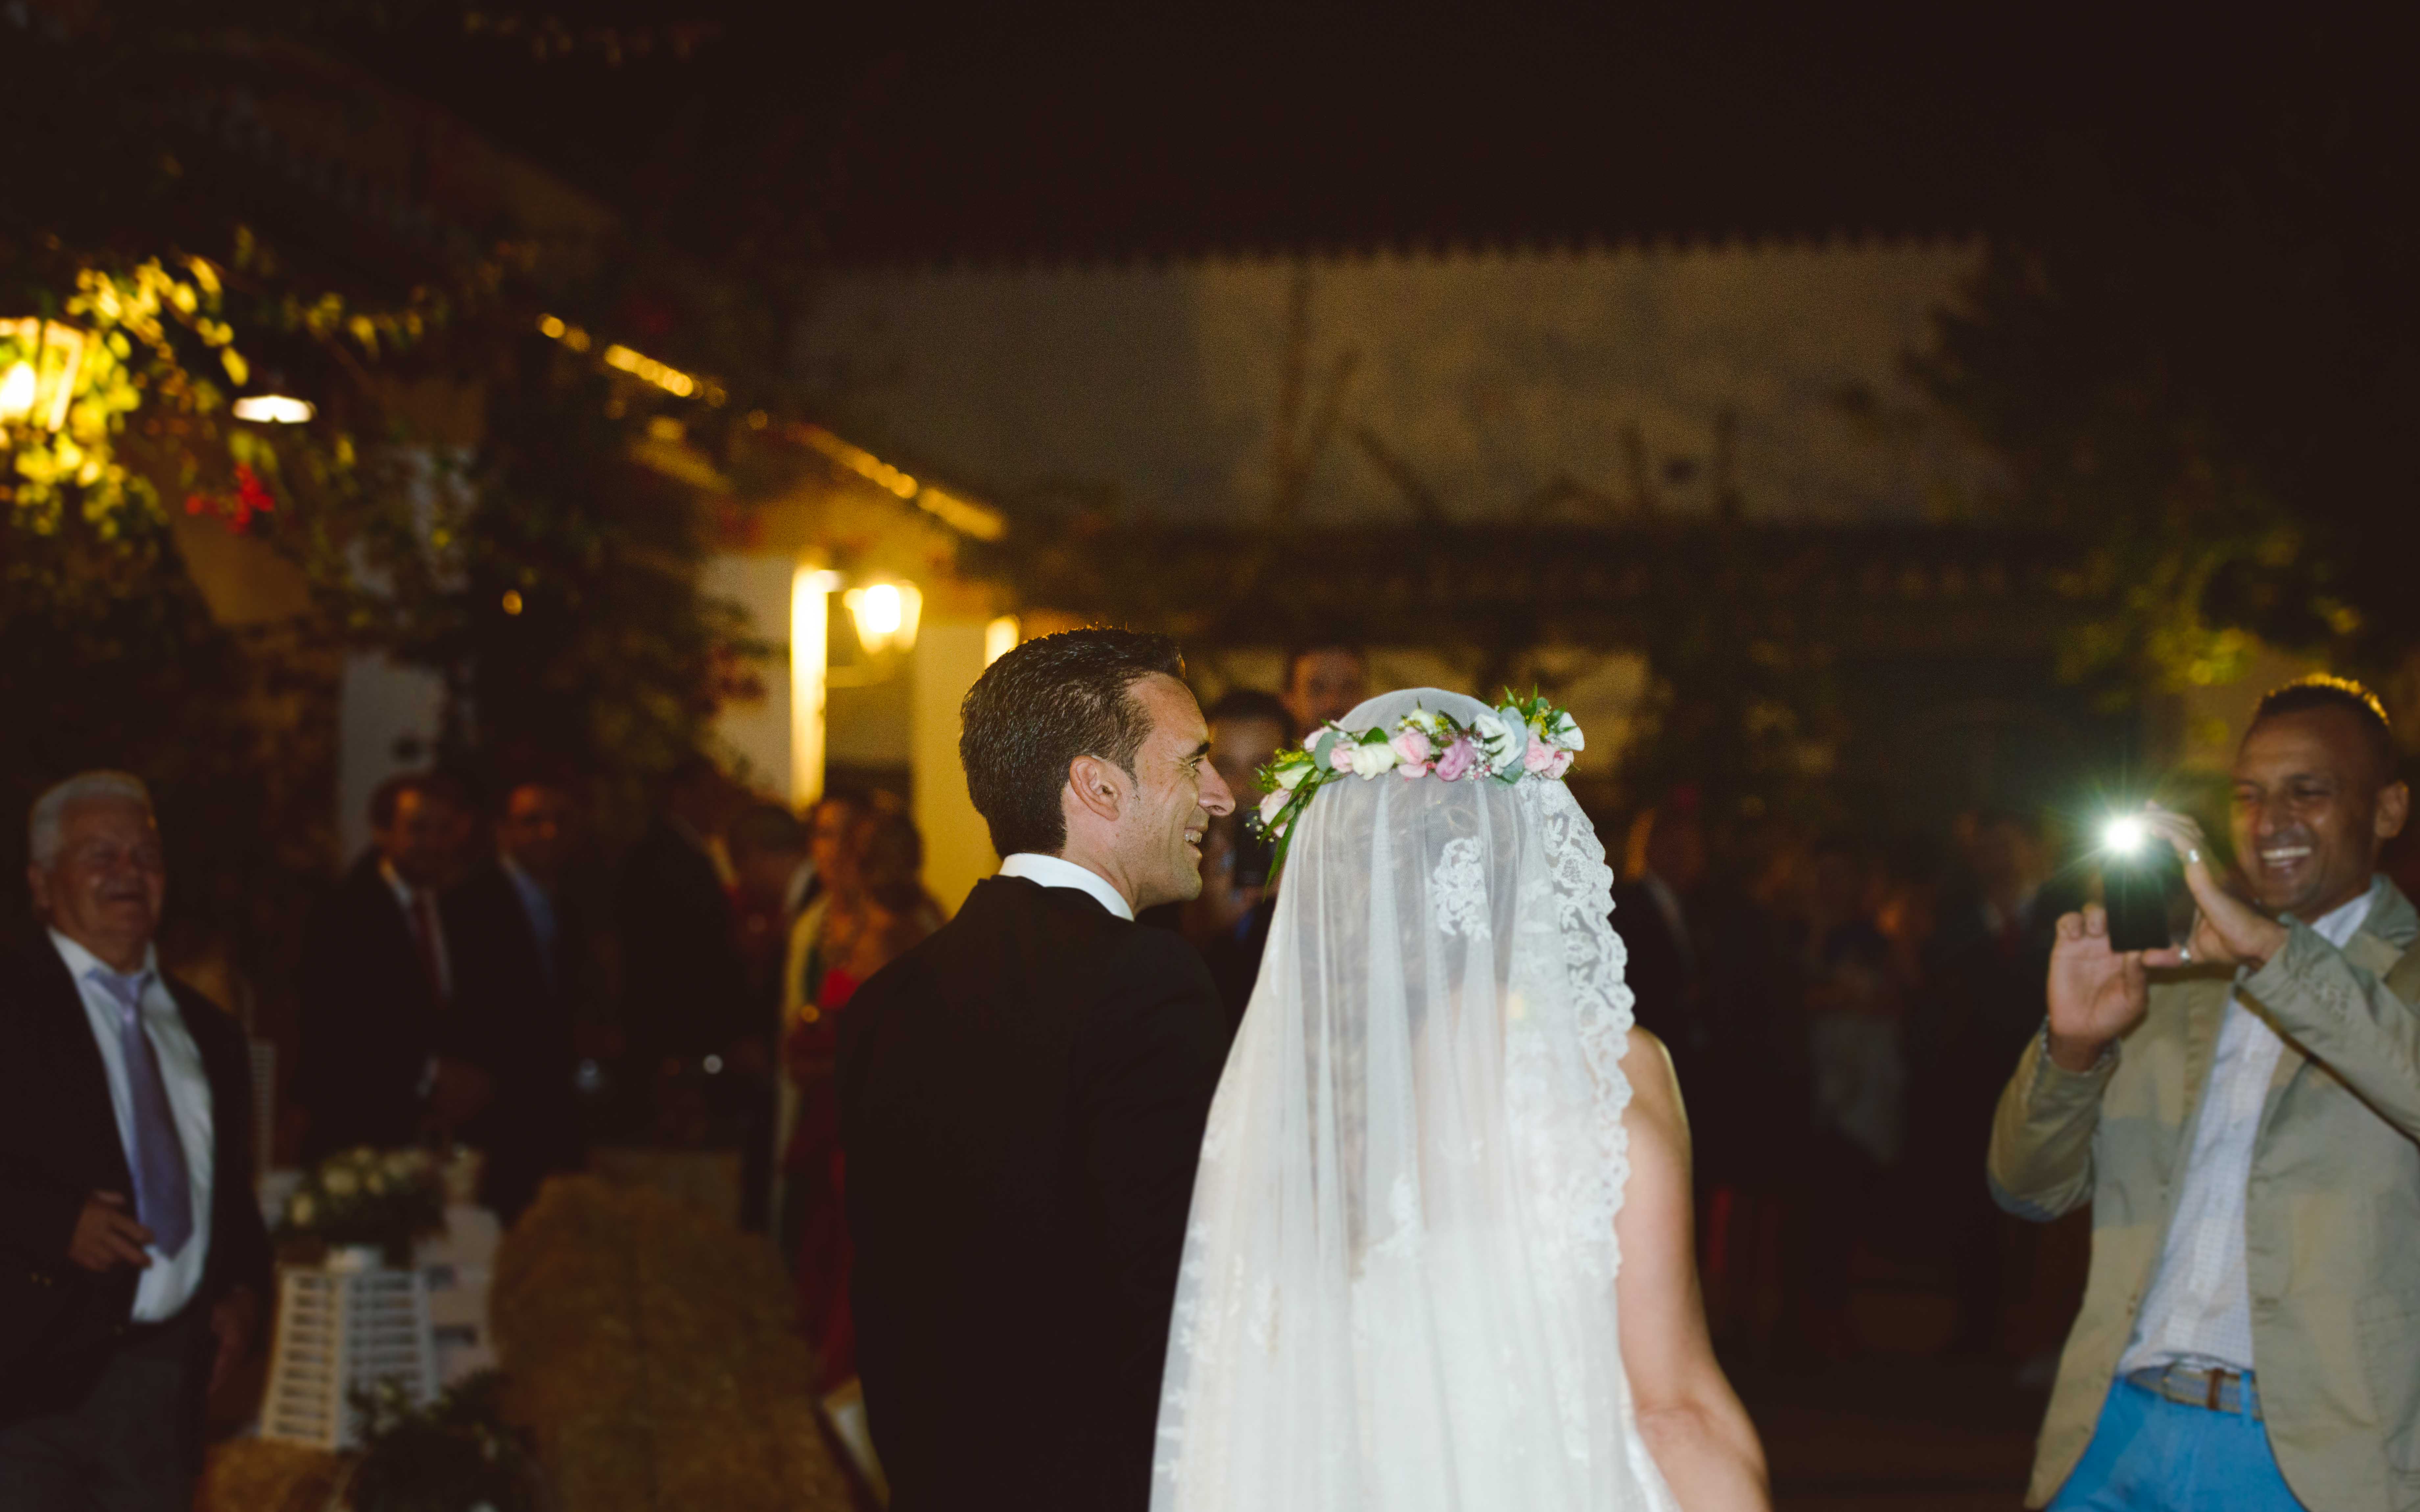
2242 1112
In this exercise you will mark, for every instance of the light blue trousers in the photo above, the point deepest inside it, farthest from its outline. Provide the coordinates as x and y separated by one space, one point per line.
2152 1454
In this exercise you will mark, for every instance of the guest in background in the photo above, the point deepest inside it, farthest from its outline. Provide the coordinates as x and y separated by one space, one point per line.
382 1059
1664 864
1989 970
831 841
521 959
878 911
1230 922
1704 979
772 870
1324 682
133 1261
1853 1001
684 986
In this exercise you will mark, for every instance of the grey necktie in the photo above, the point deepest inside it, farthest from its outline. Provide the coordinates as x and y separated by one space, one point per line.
164 1193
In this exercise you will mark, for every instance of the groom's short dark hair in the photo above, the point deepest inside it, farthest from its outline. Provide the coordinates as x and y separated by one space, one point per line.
1039 707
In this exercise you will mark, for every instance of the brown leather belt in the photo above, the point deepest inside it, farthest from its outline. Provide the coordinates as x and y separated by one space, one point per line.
2218 1389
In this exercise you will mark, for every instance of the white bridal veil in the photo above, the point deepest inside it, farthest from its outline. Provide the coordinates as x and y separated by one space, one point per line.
1398 1290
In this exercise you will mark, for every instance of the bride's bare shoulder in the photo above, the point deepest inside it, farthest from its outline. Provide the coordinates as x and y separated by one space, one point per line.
1654 1091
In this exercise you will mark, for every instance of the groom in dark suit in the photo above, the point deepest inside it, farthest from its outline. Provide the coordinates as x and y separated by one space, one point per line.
1022 1098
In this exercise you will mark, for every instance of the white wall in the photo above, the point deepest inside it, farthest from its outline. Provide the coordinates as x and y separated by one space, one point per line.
1493 378
388 718
958 848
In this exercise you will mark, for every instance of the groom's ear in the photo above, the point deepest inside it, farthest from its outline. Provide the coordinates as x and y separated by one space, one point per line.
1097 788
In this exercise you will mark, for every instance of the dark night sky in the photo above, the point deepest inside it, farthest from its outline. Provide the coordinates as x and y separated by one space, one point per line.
890 137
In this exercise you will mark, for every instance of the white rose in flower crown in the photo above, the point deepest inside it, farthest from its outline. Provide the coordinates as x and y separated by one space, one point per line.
1566 733
1374 759
1273 806
1500 744
1290 775
339 1182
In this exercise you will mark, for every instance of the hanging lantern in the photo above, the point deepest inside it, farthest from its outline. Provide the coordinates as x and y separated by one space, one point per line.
886 614
39 360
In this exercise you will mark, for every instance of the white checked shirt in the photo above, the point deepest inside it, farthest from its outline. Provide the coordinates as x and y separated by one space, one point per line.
2199 1308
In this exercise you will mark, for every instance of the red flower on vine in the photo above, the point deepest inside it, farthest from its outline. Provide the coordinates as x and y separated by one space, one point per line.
252 497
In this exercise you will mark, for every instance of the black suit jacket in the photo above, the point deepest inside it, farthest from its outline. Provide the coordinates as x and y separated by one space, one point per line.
1022 1098
370 1019
684 987
60 1144
523 1001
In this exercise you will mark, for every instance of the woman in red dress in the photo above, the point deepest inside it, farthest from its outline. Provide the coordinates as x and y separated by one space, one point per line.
876 909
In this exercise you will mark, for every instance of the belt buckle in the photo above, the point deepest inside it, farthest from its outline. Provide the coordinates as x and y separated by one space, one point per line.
2217 1385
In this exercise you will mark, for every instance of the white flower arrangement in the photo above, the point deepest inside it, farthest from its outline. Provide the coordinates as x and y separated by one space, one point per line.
367 1197
1525 738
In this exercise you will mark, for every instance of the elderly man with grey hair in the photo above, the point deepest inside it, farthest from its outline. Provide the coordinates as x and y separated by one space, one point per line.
132 1254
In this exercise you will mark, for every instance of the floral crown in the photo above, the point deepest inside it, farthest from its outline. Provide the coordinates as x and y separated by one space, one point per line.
1527 737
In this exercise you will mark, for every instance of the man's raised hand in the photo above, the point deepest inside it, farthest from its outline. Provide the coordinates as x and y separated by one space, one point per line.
2096 992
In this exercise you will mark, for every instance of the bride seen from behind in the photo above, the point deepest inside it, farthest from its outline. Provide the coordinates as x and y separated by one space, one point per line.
1440 1257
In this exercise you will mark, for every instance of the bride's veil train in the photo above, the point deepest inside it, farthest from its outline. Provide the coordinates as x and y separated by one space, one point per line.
1398 1286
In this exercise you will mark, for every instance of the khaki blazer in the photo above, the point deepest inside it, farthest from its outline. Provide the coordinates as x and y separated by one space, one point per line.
2331 1213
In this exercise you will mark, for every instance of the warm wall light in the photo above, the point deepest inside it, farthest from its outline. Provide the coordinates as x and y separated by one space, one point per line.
886 615
811 591
274 410
999 637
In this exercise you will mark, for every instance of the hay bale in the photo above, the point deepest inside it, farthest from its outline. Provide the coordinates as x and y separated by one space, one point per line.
652 1347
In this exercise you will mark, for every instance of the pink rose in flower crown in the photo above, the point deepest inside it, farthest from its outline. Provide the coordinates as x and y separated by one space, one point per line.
1412 751
1561 763
1273 806
1458 760
1540 756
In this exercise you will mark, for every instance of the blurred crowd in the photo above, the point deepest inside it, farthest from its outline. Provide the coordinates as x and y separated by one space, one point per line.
1842 1016
1842 1012
482 974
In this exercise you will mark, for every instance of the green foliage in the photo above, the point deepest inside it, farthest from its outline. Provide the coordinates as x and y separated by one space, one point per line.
2201 368
455 1453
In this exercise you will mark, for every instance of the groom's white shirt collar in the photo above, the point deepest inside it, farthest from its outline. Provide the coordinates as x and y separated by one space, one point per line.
1050 871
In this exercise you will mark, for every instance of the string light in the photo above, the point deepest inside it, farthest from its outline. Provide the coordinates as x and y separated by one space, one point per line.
962 514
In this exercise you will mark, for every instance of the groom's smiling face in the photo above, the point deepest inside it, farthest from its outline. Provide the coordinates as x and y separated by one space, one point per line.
1175 793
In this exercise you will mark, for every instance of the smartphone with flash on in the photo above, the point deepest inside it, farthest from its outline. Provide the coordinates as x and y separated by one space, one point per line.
2140 881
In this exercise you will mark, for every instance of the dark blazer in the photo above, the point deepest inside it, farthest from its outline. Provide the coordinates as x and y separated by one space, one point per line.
684 987
60 1144
370 1019
522 1002
1022 1098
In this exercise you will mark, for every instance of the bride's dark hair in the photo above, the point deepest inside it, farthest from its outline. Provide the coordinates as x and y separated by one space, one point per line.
1042 705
